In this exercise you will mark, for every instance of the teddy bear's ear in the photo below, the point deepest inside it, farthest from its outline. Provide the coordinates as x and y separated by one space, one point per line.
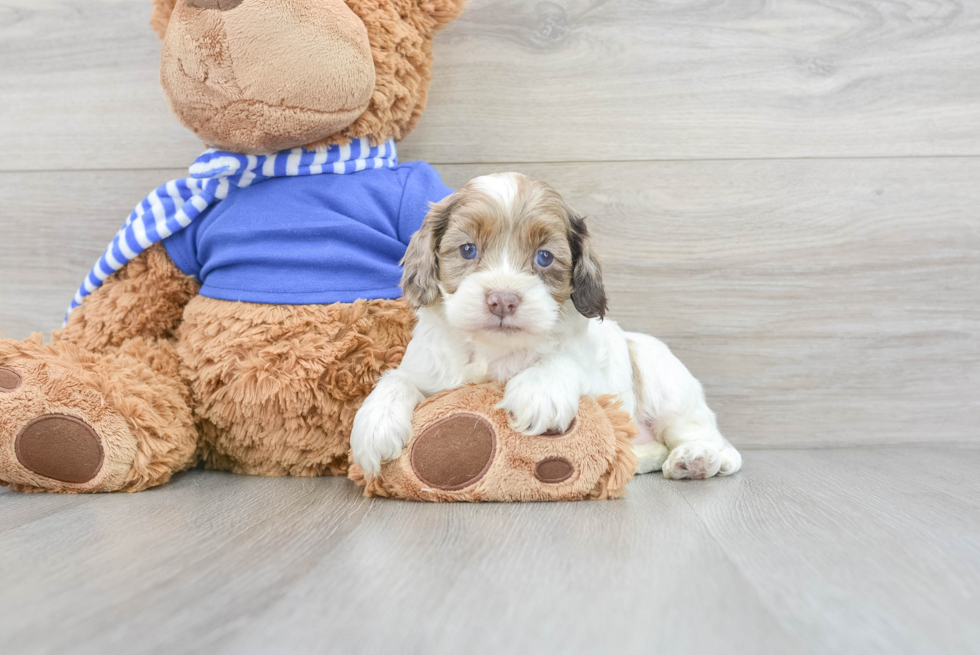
161 15
443 11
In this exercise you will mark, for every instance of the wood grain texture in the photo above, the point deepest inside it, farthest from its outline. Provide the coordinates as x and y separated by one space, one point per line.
563 80
844 551
820 302
845 547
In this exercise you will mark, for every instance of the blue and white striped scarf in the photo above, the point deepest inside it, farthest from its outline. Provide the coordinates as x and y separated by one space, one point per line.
214 175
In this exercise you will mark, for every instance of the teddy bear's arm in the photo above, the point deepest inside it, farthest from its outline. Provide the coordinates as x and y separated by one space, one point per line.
145 298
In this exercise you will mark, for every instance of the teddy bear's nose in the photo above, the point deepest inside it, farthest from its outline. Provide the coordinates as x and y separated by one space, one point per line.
220 5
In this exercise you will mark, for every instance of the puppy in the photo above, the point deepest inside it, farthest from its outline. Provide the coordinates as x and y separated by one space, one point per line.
507 287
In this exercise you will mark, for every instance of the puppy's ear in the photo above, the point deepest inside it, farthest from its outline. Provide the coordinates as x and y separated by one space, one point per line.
420 275
588 293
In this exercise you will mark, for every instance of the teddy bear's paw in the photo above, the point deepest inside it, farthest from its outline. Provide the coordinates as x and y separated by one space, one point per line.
463 448
57 433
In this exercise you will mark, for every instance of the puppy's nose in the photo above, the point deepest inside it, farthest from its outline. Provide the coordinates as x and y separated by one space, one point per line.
503 303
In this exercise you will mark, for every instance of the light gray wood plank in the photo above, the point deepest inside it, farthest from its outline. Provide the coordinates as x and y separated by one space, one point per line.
569 80
857 551
219 563
573 578
581 80
55 227
863 550
820 302
80 89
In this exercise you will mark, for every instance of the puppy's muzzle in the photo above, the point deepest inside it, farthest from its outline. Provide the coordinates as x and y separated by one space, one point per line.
503 303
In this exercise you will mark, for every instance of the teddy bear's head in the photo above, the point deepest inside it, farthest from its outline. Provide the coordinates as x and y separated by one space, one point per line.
257 76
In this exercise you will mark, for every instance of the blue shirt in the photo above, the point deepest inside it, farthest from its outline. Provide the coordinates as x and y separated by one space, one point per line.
312 239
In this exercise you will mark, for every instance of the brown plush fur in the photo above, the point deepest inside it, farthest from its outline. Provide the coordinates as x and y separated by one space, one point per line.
267 76
132 395
270 389
400 35
276 386
145 298
598 444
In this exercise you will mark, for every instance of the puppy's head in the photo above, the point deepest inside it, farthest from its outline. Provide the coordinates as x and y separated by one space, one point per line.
504 254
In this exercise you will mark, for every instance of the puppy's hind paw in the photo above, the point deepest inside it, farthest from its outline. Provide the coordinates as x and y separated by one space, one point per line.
731 461
693 461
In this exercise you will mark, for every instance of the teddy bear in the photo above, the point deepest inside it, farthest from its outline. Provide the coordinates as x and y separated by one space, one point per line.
242 314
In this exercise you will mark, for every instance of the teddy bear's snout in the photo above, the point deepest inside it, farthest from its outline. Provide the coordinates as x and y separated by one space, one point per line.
237 71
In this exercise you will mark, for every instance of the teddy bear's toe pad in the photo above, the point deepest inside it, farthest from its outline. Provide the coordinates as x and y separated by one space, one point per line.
553 470
60 447
9 380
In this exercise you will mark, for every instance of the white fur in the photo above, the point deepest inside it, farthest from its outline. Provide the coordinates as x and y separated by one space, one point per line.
549 356
502 187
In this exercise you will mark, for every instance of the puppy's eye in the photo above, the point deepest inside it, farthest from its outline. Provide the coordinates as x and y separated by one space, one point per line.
467 250
544 258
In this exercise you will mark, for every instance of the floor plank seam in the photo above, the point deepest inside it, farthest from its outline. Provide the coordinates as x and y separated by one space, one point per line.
558 162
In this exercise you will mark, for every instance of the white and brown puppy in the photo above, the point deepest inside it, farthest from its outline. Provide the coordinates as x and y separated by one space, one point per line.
507 287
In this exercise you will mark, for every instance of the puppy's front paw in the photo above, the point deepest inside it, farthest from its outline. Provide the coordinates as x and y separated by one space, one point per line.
379 434
536 405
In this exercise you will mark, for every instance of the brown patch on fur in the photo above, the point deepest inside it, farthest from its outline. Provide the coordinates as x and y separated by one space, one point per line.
598 447
589 293
420 265
145 298
277 386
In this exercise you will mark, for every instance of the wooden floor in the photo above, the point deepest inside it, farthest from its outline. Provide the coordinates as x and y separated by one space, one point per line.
787 193
862 550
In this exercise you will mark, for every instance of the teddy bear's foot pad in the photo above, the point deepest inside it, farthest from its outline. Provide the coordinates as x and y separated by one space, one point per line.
60 447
